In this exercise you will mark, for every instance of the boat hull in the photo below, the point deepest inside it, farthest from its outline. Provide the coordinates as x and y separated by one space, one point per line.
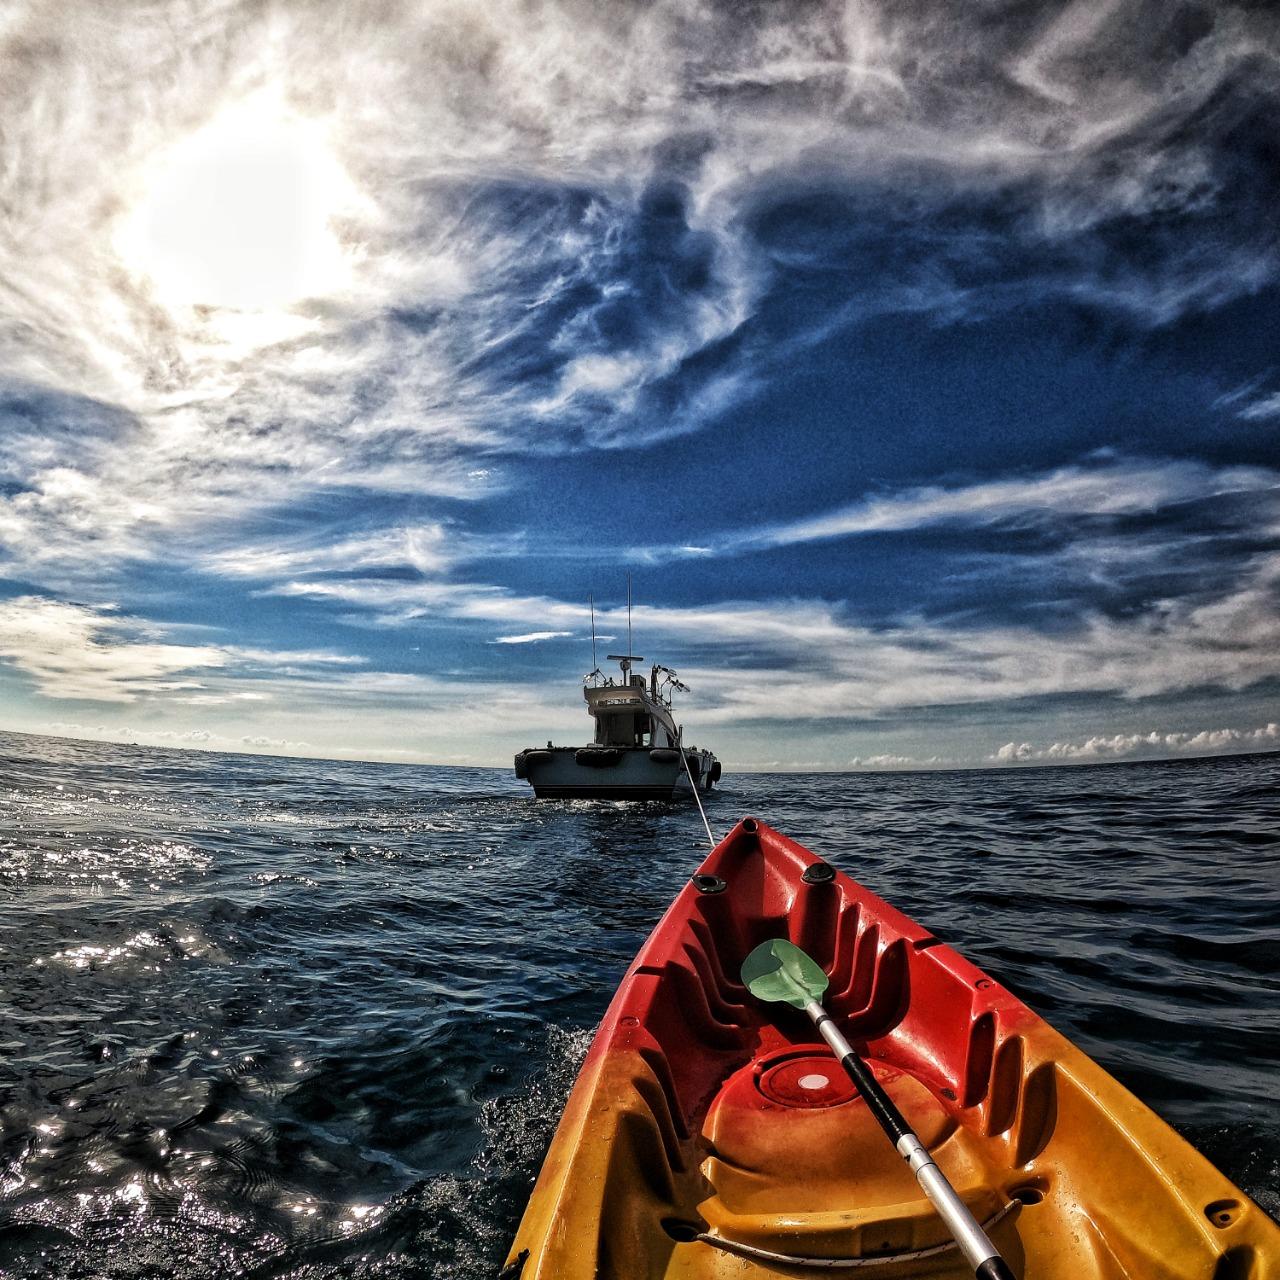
614 773
711 1137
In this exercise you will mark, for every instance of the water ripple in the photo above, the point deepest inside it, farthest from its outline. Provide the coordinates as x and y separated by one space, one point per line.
300 1019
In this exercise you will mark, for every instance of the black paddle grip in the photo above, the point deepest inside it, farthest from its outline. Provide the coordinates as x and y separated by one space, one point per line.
889 1117
994 1269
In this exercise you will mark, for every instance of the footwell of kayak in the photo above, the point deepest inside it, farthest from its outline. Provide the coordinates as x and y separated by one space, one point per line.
710 1136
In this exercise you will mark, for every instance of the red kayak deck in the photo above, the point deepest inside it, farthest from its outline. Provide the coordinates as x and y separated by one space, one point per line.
707 1132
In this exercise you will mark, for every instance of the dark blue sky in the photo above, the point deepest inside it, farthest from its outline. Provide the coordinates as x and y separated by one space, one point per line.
917 362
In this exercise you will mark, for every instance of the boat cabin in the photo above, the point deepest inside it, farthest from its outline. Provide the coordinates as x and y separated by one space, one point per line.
631 712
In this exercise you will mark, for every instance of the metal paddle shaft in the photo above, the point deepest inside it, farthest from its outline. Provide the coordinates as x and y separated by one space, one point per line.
779 971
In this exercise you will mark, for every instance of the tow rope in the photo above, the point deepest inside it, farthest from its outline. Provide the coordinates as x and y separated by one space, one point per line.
693 783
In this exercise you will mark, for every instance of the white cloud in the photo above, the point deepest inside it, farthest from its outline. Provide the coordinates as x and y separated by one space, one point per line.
890 761
1108 486
809 659
1155 742
812 672
1119 488
492 173
532 637
1264 409
284 658
76 651
231 411
153 691
150 735
73 651
418 356
428 548
278 744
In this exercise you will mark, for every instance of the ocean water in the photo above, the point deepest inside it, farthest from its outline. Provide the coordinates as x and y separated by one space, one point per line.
282 1018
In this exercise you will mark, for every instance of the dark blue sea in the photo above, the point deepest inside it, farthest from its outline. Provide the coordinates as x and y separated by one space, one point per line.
291 1018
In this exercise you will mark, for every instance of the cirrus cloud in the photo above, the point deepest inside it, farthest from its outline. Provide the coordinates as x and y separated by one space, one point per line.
581 229
555 234
96 654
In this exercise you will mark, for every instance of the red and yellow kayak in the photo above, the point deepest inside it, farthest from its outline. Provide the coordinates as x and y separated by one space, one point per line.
711 1136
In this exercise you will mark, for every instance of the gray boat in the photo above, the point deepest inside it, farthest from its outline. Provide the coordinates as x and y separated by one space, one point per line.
637 750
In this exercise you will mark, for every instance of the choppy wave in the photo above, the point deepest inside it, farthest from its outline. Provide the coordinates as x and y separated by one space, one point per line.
286 1018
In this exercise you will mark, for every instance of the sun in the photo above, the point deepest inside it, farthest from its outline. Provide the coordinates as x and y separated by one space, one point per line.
240 214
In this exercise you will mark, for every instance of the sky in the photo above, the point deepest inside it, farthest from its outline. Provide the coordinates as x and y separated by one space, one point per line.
917 360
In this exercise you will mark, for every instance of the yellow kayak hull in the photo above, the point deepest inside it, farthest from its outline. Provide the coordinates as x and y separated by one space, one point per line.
708 1136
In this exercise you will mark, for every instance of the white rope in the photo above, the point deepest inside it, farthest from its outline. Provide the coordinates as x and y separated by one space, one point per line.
693 783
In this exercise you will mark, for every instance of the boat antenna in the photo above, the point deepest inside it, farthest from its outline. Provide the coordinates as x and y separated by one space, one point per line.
629 648
591 604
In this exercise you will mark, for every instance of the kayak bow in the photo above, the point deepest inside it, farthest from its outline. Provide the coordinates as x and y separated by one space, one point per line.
711 1136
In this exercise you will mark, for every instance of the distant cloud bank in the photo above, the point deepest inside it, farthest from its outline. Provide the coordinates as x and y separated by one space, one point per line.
1125 746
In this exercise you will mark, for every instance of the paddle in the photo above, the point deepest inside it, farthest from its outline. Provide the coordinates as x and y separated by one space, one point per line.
779 972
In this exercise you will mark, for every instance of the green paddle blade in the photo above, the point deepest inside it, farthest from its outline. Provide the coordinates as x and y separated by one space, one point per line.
779 971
